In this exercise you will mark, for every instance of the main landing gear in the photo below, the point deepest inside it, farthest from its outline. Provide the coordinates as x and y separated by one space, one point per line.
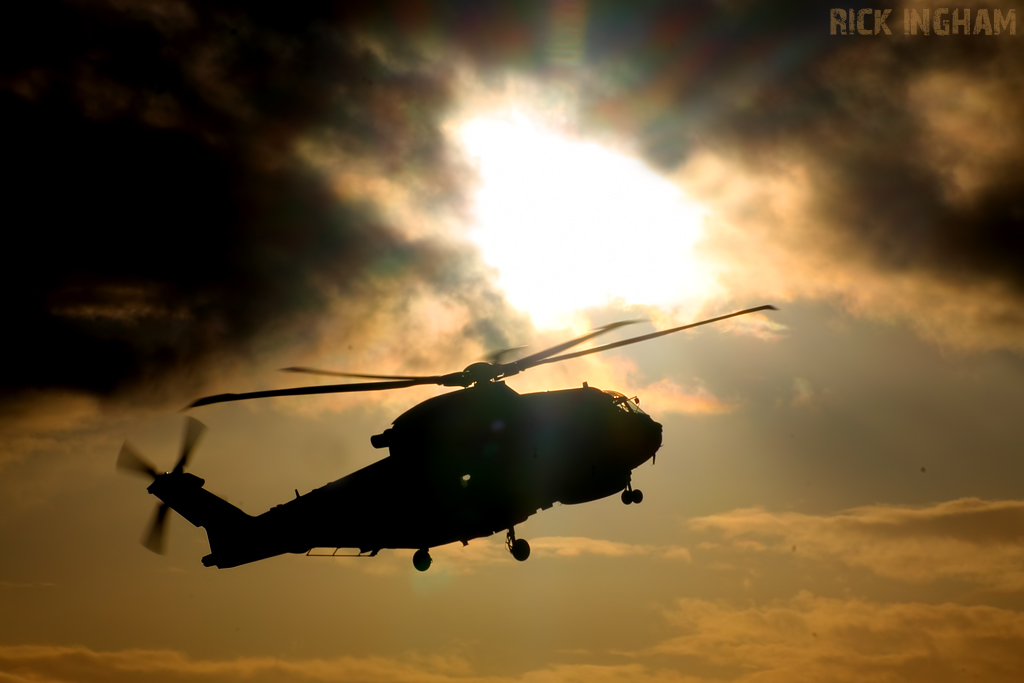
421 559
632 495
519 548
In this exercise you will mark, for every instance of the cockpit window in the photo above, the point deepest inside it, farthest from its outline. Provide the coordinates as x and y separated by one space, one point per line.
627 405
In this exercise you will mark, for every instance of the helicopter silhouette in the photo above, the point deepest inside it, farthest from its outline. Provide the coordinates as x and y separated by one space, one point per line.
461 466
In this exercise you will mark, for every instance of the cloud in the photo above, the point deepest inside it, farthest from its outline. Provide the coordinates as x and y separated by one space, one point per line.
660 397
34 424
667 396
880 175
805 395
483 552
882 178
968 539
757 325
610 372
55 663
164 218
805 638
39 662
812 638
573 546
769 238
195 189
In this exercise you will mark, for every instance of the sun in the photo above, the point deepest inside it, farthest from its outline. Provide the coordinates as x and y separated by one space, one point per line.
570 224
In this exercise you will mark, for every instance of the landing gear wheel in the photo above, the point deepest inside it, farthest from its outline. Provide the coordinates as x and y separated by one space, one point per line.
520 549
422 560
627 497
638 496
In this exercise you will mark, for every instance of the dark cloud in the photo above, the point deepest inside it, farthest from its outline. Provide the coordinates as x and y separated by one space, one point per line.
907 143
157 216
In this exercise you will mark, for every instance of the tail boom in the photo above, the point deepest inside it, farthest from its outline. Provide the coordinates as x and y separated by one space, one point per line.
233 535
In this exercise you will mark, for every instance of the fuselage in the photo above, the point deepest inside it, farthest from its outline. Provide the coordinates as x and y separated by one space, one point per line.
471 463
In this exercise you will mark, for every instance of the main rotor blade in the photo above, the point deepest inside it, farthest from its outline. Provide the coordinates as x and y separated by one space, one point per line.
154 538
452 379
193 430
326 389
537 358
131 461
653 335
334 373
494 357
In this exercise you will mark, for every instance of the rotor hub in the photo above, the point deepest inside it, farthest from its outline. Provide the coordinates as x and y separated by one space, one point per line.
479 372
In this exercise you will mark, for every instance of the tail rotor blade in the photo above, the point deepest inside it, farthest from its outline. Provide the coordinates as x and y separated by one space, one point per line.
154 538
131 461
193 430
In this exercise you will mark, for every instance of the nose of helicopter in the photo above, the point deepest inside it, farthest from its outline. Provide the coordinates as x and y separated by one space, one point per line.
646 439
652 436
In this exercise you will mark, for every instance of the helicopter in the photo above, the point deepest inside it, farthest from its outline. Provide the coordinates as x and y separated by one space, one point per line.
462 465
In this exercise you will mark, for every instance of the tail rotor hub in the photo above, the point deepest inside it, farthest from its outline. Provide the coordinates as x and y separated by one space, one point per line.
130 461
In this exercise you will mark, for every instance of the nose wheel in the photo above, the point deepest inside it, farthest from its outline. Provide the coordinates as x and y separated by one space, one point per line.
519 548
632 495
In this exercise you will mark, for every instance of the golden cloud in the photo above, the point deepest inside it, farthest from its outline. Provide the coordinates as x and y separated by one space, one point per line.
620 374
969 539
767 239
572 546
810 638
51 663
457 559
50 422
971 137
803 639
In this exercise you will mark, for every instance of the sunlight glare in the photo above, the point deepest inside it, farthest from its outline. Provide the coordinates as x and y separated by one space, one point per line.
571 225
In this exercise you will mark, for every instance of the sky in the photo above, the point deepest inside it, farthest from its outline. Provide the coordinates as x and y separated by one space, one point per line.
198 194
